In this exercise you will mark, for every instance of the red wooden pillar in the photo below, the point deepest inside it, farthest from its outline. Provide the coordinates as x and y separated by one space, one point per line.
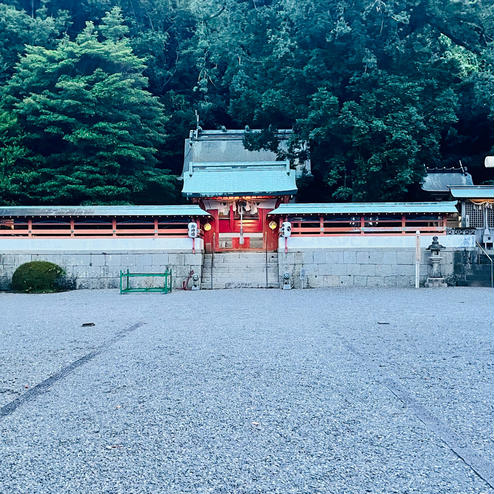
216 228
208 237
271 235
403 224
29 227
232 218
272 239
263 219
263 227
362 225
114 227
321 225
445 222
72 227
156 227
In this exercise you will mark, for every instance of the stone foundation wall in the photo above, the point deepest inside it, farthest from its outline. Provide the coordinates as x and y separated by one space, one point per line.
373 261
102 270
311 263
97 264
315 268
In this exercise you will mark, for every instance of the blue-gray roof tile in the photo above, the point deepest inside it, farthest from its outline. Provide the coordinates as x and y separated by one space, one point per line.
167 210
366 208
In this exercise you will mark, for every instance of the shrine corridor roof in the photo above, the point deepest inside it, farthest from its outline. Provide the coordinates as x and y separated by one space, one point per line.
473 192
367 207
167 210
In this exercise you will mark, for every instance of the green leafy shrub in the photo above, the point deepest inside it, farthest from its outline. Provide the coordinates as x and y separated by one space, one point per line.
39 277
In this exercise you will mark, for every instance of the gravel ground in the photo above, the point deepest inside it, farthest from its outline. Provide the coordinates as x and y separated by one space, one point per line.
247 392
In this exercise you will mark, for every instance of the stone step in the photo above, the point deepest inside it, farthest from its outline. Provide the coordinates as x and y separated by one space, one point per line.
482 259
238 254
240 261
235 260
240 270
227 268
478 282
226 279
219 285
478 279
207 262
240 277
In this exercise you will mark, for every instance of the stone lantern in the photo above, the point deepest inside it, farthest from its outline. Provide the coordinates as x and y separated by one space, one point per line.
435 280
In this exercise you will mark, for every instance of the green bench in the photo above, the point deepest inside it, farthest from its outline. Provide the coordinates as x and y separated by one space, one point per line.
165 287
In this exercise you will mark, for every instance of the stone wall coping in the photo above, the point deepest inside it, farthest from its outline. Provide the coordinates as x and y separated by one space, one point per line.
97 245
296 243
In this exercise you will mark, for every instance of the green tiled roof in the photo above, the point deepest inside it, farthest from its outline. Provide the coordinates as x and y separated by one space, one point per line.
473 192
441 182
230 179
172 210
366 208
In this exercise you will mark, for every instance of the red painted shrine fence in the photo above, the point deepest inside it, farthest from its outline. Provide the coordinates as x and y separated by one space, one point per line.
99 221
154 227
94 228
367 225
390 219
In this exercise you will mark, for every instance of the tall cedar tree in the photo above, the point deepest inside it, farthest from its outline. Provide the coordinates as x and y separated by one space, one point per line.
91 127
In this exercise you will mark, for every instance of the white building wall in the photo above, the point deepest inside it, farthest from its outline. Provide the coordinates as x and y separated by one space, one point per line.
375 242
95 245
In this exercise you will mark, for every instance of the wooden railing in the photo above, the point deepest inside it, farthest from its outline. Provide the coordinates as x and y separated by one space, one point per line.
74 229
365 226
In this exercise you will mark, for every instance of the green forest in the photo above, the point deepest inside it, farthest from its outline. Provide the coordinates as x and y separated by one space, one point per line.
97 96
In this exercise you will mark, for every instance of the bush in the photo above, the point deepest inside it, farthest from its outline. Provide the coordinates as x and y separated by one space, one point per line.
39 277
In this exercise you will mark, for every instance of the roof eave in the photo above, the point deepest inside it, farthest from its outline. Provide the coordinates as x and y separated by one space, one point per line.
250 193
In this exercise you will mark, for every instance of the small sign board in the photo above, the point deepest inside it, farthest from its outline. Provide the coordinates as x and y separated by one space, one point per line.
489 162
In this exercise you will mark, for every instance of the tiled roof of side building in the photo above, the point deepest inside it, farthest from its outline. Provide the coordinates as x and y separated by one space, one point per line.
187 210
440 182
473 192
367 208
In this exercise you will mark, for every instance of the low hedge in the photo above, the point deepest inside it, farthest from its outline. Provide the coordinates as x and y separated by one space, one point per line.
39 277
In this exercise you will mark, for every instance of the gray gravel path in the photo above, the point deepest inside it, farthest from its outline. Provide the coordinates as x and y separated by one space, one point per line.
247 391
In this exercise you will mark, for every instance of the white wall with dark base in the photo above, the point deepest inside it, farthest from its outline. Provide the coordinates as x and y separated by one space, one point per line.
311 262
378 261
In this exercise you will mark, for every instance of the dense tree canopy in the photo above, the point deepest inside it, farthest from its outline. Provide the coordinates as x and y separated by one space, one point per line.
98 95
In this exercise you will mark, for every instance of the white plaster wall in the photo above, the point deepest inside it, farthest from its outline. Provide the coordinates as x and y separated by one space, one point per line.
95 245
296 243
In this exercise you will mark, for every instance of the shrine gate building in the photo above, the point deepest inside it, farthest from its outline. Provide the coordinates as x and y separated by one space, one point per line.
238 188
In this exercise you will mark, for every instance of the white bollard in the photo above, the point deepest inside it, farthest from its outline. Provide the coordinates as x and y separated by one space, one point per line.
417 258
